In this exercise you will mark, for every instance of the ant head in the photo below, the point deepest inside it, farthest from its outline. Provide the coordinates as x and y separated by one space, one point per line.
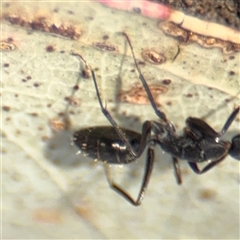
235 147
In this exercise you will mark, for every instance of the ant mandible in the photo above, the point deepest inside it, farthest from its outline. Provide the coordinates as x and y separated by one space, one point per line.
115 145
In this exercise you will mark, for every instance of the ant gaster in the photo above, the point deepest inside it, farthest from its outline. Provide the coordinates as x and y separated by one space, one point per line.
116 145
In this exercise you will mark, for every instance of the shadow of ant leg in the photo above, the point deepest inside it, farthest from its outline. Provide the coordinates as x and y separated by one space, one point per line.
147 174
177 170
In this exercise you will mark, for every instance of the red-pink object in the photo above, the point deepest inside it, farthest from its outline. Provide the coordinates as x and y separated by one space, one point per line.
149 9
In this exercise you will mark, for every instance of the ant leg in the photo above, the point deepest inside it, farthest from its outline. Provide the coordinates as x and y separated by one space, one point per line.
146 128
230 120
195 168
177 170
146 177
159 113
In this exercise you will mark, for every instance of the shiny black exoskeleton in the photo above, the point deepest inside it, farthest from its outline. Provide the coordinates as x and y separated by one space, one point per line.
234 150
116 145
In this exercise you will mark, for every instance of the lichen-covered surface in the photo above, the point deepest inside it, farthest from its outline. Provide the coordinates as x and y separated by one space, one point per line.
48 191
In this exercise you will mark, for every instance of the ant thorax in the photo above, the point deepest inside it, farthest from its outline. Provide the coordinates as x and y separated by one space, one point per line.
161 130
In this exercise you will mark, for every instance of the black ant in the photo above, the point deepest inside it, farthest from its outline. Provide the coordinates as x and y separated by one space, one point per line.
116 145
